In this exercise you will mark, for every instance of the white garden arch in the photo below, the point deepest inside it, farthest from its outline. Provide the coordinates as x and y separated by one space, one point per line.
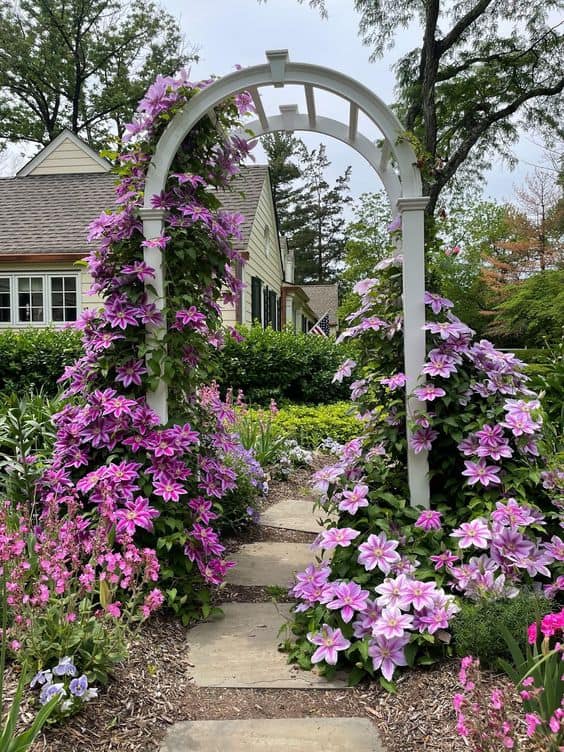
394 163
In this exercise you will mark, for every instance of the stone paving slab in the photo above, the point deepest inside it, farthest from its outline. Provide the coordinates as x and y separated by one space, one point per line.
240 650
266 735
293 514
269 563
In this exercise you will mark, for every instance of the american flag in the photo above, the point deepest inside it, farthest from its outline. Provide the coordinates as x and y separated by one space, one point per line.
322 326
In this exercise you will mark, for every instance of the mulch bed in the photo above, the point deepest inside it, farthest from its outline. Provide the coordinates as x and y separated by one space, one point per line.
152 689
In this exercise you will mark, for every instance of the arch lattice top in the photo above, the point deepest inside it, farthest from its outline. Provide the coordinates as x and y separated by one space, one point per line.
400 181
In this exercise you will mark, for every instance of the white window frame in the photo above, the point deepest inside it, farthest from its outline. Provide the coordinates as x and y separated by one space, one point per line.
46 277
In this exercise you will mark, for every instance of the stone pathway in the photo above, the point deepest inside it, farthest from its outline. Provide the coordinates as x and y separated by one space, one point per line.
240 651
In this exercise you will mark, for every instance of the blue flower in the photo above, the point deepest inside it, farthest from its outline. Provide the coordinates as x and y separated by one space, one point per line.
41 677
65 667
79 686
51 690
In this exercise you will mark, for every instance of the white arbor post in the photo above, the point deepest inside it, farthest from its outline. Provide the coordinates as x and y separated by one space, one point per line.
413 249
153 225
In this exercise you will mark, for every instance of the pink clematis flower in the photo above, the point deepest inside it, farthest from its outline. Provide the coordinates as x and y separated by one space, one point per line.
379 552
348 597
387 653
429 392
475 533
353 500
481 472
330 642
136 514
344 370
392 623
429 520
337 536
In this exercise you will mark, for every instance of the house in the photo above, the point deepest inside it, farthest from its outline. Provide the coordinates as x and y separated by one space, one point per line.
44 214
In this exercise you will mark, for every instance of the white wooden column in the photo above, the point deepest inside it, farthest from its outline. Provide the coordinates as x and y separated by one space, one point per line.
413 249
153 225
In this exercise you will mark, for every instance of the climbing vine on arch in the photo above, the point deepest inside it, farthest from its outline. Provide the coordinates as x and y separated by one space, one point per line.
158 488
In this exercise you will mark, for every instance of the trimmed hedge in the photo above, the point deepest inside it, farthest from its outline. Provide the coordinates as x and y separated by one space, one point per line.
283 365
310 425
35 358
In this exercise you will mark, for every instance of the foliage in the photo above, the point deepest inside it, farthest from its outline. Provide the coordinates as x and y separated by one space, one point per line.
311 210
532 312
27 435
281 365
479 72
259 433
310 426
80 65
10 740
368 242
549 379
35 358
478 625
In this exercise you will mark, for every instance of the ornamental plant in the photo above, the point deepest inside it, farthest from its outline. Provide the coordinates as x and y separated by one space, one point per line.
492 527
142 486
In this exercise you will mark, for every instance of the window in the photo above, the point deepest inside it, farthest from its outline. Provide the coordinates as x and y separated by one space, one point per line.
266 307
30 300
63 299
267 241
40 299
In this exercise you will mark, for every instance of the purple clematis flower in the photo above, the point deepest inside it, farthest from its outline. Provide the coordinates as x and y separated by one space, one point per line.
429 392
338 536
353 500
344 370
480 472
392 623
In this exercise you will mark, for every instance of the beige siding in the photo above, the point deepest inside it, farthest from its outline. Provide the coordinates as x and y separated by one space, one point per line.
67 158
267 267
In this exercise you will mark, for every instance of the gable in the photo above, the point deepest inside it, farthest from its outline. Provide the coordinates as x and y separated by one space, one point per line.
66 154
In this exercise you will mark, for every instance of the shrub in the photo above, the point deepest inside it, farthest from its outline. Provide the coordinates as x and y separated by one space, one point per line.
36 358
477 627
310 426
282 365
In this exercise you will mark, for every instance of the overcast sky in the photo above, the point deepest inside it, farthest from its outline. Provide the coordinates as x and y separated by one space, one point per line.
228 32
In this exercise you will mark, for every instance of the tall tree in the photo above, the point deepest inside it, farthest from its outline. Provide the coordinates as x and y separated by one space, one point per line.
317 224
80 64
284 152
310 208
482 69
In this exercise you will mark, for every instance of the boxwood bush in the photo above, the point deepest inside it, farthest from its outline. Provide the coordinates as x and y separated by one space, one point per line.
35 358
310 425
476 629
283 365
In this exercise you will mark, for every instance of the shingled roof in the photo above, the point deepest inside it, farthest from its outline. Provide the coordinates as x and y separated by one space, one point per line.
324 299
50 213
244 197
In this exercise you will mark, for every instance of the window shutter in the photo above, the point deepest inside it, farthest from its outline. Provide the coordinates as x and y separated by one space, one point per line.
256 300
272 309
266 319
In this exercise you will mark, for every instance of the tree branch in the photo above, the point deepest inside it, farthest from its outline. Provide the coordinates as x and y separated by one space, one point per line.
459 28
